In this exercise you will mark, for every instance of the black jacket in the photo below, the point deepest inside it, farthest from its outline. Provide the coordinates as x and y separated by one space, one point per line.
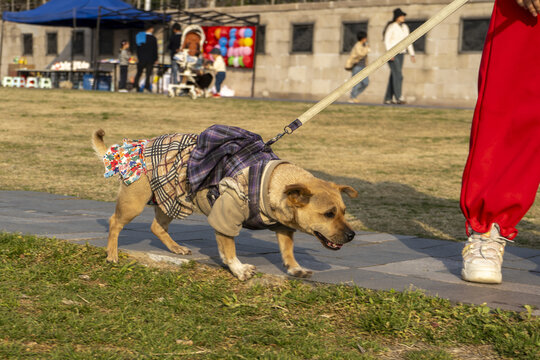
174 43
147 52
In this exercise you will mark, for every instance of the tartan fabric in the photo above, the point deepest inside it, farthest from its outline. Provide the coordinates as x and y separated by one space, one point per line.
222 151
166 159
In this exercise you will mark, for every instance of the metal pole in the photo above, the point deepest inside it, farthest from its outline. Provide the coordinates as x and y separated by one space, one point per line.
402 45
162 67
73 43
254 59
1 46
96 50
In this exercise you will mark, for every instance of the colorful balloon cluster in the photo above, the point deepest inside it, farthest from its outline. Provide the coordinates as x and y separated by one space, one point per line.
235 43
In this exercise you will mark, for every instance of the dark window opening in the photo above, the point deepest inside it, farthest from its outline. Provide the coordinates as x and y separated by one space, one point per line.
78 43
52 43
473 34
28 44
106 42
420 44
302 38
349 35
260 39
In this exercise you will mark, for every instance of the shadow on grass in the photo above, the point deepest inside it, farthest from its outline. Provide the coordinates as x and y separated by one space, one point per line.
389 207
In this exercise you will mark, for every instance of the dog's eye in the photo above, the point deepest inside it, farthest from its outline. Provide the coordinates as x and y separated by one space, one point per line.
329 214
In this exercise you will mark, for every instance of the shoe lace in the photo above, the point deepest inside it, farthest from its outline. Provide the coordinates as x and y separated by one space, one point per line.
489 245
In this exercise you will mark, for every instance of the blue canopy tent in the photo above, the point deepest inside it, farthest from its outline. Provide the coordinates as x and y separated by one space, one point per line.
110 14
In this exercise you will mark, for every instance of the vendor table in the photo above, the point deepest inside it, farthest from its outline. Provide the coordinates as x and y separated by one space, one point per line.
57 76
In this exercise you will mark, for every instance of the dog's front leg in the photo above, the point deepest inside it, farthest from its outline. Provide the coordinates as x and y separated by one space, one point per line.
227 251
286 246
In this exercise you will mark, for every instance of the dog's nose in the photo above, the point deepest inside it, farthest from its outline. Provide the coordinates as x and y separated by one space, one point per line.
350 235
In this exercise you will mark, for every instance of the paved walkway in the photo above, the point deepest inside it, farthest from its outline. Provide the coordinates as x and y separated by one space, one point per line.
371 260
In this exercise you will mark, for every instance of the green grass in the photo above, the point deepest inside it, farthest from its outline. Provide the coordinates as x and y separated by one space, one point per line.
63 301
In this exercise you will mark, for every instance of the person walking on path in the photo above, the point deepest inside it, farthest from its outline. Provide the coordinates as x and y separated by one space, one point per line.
356 62
174 47
395 31
124 63
147 56
502 173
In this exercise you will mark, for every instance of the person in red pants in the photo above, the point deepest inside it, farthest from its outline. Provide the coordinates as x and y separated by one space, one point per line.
502 173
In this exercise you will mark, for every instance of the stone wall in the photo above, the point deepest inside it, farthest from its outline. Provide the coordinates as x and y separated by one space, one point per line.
441 76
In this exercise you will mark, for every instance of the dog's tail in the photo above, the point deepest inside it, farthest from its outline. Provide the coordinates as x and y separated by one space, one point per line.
98 144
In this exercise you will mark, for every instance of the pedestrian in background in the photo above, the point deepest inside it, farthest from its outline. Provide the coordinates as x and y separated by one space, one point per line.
395 31
356 62
220 69
147 56
124 62
174 47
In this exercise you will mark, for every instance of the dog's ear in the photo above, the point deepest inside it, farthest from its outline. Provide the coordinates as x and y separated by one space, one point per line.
298 195
348 190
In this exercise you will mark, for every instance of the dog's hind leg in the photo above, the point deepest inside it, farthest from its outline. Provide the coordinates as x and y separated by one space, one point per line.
227 251
286 246
130 203
160 226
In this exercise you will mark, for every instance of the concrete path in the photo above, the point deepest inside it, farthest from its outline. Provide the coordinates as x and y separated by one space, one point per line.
372 260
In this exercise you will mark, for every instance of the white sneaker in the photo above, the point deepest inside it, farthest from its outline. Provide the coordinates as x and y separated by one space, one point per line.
483 257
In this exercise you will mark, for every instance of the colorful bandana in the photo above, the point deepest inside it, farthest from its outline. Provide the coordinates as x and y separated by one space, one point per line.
126 159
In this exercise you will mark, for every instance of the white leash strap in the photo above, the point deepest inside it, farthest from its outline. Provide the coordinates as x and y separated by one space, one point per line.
349 84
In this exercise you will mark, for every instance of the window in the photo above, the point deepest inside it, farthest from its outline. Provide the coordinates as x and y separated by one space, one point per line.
78 43
52 43
473 34
420 44
349 35
28 44
106 42
302 38
260 38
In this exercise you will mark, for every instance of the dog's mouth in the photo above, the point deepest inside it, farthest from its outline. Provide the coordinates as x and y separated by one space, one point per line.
327 243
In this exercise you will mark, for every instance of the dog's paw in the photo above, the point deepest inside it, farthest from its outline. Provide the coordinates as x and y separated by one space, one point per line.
245 272
112 258
300 272
180 250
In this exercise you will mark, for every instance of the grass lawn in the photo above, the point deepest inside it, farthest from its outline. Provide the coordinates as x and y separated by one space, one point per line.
62 301
406 163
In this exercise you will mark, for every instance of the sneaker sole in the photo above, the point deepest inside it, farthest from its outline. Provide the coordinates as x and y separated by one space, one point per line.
482 276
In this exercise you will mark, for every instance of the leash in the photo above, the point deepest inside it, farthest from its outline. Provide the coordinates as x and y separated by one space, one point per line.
368 70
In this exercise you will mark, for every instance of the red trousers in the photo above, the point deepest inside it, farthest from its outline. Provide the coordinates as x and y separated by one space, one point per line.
502 173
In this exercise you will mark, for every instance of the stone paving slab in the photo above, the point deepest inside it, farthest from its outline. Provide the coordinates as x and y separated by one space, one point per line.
372 260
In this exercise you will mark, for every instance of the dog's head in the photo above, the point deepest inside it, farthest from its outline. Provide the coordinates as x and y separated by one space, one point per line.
319 210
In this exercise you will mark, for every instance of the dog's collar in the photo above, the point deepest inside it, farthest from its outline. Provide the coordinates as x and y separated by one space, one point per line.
265 187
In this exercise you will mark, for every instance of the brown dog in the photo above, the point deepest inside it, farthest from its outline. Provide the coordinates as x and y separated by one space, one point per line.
296 199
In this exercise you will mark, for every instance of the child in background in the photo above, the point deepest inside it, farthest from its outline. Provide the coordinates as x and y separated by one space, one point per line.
220 69
124 62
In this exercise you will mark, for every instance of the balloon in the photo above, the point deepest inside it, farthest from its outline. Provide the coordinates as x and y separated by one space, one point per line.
248 61
241 42
241 32
217 33
223 51
225 31
241 61
232 32
230 61
247 51
235 61
237 43
212 42
231 41
223 42
230 52
248 42
248 33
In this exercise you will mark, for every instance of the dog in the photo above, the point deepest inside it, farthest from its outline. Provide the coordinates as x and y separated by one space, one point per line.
295 200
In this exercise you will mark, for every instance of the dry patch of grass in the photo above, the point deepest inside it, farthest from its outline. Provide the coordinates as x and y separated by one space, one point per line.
406 163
